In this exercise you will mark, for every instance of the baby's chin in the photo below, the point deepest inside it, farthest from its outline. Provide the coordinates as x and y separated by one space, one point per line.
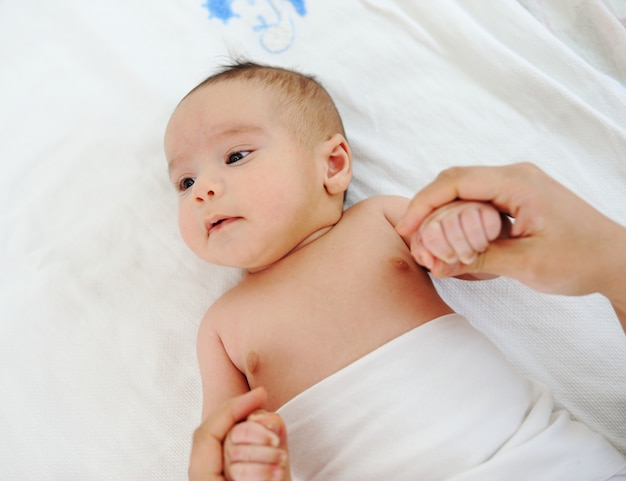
249 265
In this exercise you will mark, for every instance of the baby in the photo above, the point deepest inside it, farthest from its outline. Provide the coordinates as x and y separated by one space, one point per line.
261 163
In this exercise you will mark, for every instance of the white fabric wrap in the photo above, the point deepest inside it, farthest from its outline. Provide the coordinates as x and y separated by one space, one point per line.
439 402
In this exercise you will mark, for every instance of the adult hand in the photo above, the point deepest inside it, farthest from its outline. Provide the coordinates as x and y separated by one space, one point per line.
558 243
207 457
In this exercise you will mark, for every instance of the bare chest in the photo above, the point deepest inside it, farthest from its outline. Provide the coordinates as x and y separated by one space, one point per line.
323 309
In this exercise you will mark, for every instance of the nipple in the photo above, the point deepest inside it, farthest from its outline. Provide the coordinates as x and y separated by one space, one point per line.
252 363
400 263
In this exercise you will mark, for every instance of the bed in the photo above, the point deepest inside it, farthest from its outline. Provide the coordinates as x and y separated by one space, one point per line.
100 300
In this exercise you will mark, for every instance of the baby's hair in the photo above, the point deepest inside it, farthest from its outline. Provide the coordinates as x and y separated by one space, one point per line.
304 104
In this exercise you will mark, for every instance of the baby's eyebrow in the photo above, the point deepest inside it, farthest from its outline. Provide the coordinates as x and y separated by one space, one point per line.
222 132
171 165
237 129
170 168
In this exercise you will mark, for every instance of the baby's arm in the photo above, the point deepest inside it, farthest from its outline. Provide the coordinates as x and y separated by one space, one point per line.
222 385
256 449
457 233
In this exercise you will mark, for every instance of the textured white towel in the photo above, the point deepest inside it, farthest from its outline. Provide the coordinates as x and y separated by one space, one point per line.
100 300
439 402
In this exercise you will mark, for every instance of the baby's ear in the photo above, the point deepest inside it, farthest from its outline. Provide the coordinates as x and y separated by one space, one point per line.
338 165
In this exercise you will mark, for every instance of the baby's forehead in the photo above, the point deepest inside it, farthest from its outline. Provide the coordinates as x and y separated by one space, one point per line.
253 93
240 86
229 105
238 92
278 100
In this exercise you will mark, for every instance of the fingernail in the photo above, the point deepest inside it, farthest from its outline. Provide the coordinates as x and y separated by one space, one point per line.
422 261
256 416
420 258
274 440
277 473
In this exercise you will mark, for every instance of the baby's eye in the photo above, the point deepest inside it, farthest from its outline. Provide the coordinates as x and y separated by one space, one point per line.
185 184
236 156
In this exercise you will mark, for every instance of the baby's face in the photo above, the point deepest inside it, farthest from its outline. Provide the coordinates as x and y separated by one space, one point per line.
245 185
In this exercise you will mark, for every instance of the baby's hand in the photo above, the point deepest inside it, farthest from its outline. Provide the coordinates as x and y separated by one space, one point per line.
456 234
256 449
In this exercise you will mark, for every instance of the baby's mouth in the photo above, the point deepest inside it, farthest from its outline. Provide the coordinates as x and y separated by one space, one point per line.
219 223
213 225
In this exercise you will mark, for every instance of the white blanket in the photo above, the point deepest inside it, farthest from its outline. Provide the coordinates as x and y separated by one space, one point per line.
100 300
439 403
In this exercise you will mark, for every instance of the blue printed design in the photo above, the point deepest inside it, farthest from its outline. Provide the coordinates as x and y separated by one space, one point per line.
299 6
220 9
277 33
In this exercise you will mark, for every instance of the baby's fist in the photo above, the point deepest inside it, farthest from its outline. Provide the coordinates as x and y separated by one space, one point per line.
456 234
256 449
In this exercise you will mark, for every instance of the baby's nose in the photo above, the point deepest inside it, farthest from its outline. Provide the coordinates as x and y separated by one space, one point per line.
206 188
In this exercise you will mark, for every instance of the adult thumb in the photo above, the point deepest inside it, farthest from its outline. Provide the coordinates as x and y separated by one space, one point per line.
503 257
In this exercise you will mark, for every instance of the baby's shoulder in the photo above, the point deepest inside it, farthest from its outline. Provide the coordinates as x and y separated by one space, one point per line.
222 308
391 207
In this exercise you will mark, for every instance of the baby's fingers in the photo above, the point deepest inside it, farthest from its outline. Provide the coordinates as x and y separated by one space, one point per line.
253 452
250 432
445 240
460 231
257 454
256 472
271 421
475 234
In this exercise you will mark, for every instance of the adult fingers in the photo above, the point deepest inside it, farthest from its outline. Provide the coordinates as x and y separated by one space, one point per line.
467 183
206 461
507 257
233 411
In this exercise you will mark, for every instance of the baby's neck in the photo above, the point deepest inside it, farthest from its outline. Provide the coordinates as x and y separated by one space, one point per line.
305 242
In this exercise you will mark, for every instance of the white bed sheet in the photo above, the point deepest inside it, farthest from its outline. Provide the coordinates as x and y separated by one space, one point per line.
100 300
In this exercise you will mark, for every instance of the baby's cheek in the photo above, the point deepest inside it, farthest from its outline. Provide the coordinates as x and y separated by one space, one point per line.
191 232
